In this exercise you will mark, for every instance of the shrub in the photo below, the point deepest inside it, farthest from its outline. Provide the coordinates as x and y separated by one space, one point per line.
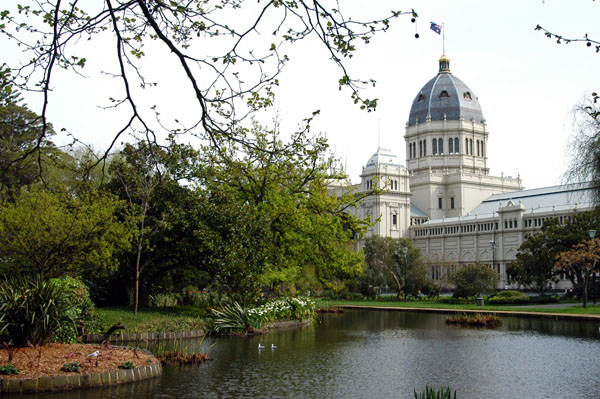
8 370
430 393
33 309
473 279
127 366
71 367
82 310
509 298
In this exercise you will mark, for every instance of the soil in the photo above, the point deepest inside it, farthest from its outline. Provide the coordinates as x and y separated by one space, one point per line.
47 360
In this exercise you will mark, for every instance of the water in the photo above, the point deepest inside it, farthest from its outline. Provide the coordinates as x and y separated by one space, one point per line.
386 354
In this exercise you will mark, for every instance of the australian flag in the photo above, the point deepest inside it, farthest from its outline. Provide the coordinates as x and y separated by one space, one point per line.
436 28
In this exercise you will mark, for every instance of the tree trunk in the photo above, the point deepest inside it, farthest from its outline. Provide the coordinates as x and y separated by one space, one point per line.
398 283
585 290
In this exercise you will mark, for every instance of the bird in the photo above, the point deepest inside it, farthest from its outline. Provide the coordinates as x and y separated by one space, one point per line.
94 354
273 346
261 346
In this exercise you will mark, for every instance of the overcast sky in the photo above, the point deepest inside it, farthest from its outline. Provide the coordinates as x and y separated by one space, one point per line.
527 84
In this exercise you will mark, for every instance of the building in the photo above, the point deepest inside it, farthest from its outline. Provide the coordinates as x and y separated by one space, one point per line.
445 200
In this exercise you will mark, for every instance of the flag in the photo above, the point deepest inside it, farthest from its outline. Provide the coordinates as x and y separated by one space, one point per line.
436 28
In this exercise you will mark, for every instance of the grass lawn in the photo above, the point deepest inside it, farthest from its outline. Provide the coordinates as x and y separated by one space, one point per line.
575 309
178 318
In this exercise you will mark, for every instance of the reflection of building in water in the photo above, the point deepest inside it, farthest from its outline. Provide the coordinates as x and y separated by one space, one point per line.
445 200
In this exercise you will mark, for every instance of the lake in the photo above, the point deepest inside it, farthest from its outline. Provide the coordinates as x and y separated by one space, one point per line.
386 354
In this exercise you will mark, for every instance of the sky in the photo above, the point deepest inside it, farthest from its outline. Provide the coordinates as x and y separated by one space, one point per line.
527 84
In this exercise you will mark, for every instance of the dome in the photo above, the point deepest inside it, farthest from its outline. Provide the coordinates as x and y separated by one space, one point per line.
383 156
445 97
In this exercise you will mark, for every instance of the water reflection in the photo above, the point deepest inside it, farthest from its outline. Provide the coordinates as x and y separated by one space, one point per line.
364 354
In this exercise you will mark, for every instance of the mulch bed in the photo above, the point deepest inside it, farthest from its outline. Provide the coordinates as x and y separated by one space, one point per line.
47 360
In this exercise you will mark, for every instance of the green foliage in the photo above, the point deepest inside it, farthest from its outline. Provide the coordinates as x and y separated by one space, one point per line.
57 233
81 311
229 318
127 365
71 367
385 266
431 393
509 298
542 299
188 318
8 370
473 279
34 309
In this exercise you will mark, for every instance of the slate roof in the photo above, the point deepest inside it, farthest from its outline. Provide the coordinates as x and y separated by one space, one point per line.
430 100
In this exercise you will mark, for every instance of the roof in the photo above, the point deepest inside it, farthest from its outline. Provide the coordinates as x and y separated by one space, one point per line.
416 212
540 200
445 97
383 156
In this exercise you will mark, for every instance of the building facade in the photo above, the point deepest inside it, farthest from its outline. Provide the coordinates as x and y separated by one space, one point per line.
445 200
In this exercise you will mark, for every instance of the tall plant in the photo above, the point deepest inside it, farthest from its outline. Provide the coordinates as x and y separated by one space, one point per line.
33 310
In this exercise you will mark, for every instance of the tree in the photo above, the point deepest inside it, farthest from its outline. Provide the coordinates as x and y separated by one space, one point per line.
310 232
582 261
473 279
584 165
56 233
534 266
23 148
385 265
229 67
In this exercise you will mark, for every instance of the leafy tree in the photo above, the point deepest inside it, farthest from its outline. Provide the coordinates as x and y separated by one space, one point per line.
534 266
581 261
309 232
55 233
23 149
473 279
385 265
217 46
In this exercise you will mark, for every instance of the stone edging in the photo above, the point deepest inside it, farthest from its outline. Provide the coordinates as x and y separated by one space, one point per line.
139 337
79 381
542 315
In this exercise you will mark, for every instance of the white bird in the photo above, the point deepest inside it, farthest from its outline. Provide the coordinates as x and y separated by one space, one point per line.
273 346
261 346
94 354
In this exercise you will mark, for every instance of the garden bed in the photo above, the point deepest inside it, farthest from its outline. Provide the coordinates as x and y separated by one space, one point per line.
43 368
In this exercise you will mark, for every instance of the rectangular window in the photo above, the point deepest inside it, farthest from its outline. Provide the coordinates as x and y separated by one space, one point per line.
439 203
394 219
450 146
451 202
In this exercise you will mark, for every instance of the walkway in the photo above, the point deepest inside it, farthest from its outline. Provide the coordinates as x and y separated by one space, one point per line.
566 316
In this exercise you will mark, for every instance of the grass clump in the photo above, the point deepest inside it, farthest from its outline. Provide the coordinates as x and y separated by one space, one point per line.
509 297
431 393
71 367
479 320
8 370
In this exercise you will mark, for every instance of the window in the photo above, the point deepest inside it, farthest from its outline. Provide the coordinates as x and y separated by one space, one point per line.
456 145
477 147
467 146
420 148
434 146
482 152
441 146
394 219
444 93
471 146
450 146
467 95
421 97
451 202
440 203
424 148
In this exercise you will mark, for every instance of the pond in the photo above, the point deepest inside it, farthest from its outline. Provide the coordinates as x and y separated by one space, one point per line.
387 354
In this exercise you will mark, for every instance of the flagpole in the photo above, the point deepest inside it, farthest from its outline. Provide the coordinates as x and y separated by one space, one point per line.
443 38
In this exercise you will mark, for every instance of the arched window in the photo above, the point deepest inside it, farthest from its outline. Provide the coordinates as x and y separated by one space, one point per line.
421 97
471 146
456 145
441 146
450 146
434 146
420 148
467 146
424 147
482 152
477 147
444 93
467 95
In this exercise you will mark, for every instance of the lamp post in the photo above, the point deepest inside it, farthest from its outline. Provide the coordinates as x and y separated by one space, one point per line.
493 244
405 251
592 234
